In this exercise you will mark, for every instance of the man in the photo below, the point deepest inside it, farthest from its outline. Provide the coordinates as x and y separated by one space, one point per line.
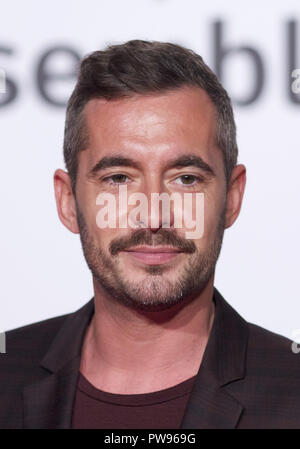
157 346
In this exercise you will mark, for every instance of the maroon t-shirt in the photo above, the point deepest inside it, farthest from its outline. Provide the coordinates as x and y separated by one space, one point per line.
97 409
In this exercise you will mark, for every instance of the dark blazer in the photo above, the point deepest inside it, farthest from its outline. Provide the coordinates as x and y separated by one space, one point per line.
249 377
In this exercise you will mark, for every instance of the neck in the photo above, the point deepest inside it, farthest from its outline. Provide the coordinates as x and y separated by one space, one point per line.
129 351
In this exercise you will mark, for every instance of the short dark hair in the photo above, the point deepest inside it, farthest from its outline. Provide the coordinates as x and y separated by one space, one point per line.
144 67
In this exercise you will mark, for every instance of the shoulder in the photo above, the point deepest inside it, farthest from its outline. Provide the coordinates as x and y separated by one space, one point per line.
33 339
266 353
273 354
29 345
24 349
19 364
270 388
263 341
26 346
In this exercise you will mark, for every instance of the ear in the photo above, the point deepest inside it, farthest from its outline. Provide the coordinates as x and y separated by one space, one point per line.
65 201
235 194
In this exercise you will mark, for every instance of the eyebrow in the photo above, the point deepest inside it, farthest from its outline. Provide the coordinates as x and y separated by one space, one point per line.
112 161
186 160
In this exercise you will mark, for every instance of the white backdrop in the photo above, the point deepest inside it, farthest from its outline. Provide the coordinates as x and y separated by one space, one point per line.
43 271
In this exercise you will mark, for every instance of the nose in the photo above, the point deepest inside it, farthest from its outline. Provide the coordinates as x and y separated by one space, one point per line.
159 211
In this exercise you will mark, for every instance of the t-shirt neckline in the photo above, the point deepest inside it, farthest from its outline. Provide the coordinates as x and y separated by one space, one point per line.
155 397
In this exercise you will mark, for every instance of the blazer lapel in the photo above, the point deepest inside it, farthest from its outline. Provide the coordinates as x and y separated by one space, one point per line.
210 406
48 403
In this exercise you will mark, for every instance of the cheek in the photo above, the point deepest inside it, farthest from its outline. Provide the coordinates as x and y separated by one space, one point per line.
103 237
213 208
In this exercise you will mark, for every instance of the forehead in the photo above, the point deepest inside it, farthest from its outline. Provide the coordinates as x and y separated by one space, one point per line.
157 126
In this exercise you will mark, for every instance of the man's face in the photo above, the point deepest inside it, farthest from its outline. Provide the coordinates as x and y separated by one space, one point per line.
152 131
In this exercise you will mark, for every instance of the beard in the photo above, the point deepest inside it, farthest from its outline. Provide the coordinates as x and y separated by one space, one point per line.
155 292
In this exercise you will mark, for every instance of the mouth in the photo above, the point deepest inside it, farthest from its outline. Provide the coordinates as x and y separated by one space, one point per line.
153 255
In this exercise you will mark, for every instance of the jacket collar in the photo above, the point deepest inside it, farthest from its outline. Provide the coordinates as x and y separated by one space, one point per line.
48 403
224 362
68 341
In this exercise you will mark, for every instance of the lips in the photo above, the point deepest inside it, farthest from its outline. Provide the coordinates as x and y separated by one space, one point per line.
153 255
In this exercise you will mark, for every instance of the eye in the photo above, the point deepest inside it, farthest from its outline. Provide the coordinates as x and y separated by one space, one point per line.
188 180
118 178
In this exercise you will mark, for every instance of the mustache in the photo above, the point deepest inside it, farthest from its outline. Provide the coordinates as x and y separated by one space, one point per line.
146 237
